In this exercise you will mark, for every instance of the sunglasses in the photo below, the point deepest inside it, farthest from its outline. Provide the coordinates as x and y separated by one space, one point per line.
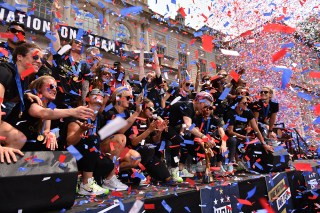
208 108
128 98
150 108
78 42
264 92
188 84
37 57
52 86
14 31
245 103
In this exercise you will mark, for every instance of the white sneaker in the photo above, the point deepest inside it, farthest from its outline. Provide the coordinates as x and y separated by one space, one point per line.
114 184
175 175
185 173
144 182
92 188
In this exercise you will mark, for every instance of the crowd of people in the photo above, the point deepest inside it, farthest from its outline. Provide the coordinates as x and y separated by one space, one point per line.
51 100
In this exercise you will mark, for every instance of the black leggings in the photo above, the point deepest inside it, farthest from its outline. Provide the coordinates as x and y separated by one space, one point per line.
92 161
156 168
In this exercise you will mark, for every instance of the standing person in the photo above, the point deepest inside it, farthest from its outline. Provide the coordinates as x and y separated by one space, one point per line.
26 61
82 134
265 110
35 121
173 92
208 123
151 83
71 72
17 37
180 118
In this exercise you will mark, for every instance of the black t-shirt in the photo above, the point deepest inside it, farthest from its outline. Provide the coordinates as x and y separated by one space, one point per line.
137 128
240 122
178 110
221 105
6 47
69 76
175 92
7 79
153 90
90 138
11 95
209 126
31 127
111 114
264 110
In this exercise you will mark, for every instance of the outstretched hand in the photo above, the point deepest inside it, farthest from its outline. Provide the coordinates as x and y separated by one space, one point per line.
6 153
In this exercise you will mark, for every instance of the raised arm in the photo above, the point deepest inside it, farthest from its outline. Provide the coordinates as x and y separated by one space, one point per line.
155 58
56 43
141 61
196 86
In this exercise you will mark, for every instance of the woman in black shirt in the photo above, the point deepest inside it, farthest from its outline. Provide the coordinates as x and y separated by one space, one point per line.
13 79
265 110
239 121
35 120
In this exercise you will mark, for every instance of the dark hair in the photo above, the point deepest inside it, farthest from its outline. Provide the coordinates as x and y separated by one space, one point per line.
15 23
23 50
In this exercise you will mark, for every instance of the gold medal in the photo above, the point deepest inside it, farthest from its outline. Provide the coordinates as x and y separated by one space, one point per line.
75 78
40 138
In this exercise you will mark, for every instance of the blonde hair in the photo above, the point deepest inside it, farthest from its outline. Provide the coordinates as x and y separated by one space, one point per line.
39 82
119 92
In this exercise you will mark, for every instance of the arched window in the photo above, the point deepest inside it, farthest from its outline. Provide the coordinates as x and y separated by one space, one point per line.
87 21
121 33
43 8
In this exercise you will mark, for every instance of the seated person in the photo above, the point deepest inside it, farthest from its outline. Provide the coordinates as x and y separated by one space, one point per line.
239 121
145 134
13 81
120 100
265 110
35 120
210 124
95 166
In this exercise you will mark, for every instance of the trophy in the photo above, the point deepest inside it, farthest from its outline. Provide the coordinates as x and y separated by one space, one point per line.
207 177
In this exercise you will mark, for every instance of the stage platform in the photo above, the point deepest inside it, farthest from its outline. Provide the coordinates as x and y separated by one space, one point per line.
243 192
46 182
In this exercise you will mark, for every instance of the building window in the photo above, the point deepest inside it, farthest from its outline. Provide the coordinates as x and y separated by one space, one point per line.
182 46
42 8
160 38
87 21
121 33
161 50
203 66
183 60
